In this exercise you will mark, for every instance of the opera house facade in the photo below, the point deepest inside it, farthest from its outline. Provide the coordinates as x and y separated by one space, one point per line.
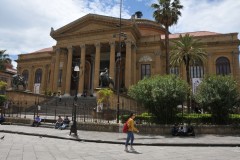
130 52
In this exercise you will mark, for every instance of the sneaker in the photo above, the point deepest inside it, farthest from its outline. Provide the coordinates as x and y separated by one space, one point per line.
132 149
126 149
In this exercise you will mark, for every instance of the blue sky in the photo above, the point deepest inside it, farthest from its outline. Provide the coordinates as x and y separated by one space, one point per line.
25 24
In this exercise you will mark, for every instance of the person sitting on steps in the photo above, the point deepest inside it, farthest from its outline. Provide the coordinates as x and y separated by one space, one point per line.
59 122
37 121
65 124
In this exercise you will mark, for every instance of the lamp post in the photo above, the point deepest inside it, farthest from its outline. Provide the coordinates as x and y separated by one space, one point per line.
120 36
119 58
75 79
118 84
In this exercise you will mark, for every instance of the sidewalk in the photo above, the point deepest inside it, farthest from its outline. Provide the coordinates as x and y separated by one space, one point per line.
119 138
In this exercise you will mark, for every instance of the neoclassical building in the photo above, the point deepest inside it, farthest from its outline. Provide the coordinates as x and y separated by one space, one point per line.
93 42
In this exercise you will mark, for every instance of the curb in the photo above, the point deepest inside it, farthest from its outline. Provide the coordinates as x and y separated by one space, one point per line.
122 143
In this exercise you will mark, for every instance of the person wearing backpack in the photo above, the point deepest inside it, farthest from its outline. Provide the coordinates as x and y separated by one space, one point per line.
130 135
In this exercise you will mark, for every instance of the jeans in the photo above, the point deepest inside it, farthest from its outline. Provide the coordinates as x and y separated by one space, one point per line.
130 136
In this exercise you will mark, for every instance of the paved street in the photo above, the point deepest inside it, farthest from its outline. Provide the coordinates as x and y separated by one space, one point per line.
24 147
29 143
105 137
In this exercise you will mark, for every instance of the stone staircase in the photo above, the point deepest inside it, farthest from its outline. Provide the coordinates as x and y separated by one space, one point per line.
63 106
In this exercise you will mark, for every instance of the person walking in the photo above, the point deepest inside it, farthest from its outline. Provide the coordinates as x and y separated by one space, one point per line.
130 135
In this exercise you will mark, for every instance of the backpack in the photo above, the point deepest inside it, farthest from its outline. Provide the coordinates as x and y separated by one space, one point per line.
125 127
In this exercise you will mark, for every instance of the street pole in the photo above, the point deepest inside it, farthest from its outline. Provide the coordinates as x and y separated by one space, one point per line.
119 58
74 125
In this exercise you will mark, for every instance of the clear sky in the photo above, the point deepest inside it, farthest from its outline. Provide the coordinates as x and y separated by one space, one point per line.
25 24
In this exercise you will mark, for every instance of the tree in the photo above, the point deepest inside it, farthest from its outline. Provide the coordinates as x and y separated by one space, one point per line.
160 95
4 60
187 50
104 96
167 13
218 95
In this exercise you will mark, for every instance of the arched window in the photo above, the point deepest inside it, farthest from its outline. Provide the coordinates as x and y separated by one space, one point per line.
197 70
222 66
25 75
38 76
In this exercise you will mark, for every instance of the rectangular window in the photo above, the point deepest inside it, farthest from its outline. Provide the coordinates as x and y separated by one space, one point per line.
145 70
174 70
196 71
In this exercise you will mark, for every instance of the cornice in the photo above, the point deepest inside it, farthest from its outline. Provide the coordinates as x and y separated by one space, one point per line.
33 59
96 19
148 44
149 24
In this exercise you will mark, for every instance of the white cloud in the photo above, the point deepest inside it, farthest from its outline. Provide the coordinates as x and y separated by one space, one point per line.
25 25
209 15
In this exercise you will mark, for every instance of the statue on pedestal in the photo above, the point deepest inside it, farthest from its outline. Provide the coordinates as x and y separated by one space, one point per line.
105 79
18 80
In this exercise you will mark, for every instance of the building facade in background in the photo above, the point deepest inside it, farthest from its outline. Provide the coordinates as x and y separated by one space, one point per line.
6 76
93 41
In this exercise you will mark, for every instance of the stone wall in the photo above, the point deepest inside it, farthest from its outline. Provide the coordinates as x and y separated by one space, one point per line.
144 129
161 129
27 99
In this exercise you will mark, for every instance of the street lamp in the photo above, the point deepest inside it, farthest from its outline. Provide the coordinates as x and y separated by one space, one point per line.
75 79
119 58
120 36
118 84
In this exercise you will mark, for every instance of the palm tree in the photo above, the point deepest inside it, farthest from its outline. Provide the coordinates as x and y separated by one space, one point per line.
187 50
167 13
4 60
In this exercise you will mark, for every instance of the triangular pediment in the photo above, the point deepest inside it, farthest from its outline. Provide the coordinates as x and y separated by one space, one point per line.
88 27
90 23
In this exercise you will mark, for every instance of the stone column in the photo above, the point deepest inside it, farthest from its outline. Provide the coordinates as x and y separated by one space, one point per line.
97 65
92 73
43 82
134 62
157 62
235 64
52 74
31 79
64 72
47 77
82 70
112 60
56 70
69 71
128 61
209 67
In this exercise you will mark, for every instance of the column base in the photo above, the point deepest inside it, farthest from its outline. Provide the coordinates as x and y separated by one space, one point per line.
66 95
80 94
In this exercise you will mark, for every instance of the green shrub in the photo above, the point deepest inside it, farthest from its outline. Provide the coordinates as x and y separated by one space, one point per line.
160 95
143 118
3 98
218 95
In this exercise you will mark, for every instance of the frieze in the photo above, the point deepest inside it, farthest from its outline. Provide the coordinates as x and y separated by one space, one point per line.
145 59
157 53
